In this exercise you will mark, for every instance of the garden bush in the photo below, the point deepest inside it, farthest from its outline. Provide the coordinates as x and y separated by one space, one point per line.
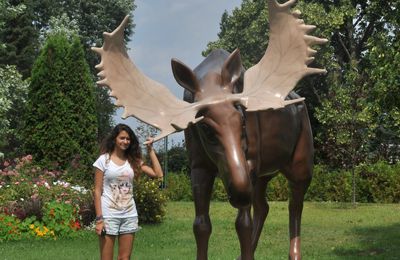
150 200
219 193
329 185
277 189
59 220
178 187
379 182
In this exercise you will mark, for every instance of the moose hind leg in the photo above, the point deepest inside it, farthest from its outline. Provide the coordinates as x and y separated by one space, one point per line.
202 184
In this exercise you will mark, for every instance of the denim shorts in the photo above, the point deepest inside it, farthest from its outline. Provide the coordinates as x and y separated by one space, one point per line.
118 226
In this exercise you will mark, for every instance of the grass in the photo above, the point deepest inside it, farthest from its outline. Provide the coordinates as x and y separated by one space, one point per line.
329 231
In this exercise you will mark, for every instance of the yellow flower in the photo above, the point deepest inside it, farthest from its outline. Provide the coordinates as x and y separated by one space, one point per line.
31 226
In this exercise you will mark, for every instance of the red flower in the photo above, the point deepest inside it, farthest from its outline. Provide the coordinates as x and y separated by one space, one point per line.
75 224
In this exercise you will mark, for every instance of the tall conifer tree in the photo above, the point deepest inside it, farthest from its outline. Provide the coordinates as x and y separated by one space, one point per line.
61 122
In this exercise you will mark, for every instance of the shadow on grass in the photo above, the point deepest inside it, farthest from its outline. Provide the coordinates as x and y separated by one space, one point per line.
373 242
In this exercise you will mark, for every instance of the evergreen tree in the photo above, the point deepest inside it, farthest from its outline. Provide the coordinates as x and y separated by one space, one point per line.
60 120
20 36
82 114
20 39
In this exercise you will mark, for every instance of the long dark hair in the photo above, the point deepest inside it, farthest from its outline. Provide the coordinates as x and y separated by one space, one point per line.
133 153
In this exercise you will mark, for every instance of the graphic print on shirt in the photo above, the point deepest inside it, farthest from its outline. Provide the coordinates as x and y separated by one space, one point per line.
122 192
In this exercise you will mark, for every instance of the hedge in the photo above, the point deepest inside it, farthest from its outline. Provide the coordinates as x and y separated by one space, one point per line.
375 183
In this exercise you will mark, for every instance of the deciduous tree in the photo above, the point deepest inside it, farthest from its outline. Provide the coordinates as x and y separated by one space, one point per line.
352 108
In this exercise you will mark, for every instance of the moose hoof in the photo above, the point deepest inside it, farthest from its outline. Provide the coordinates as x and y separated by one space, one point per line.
295 257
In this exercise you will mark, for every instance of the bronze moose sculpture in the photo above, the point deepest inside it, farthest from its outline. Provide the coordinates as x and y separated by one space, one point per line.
241 125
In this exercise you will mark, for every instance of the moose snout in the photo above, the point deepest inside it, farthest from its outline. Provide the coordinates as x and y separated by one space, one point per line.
239 195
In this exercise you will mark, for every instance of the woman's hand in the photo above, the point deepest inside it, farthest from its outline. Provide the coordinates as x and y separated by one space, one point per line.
155 170
99 227
149 143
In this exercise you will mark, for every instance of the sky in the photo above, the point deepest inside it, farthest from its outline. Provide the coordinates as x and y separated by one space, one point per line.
168 29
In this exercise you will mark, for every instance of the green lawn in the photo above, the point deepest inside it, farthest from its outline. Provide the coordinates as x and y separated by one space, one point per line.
329 231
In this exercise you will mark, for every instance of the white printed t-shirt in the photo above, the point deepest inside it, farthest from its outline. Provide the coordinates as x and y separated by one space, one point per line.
117 197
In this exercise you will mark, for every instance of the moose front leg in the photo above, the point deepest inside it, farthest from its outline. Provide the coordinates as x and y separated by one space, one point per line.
244 228
202 183
241 199
260 208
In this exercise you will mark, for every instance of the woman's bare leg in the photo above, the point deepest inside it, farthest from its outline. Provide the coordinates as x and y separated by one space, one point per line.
125 245
106 247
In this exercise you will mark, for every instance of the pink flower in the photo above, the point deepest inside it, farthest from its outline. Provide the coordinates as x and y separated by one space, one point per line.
16 183
6 164
51 174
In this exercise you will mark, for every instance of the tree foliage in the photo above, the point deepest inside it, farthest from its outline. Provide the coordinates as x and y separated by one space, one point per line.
13 93
353 109
177 158
7 12
19 38
60 119
22 35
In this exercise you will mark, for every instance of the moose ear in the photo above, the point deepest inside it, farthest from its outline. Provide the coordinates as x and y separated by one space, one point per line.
184 76
231 69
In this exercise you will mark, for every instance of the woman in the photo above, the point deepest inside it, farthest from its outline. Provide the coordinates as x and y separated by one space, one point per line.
116 215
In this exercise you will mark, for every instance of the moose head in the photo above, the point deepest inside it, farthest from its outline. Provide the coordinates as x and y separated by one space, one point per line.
241 125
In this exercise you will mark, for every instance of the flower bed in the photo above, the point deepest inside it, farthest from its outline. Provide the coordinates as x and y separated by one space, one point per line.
36 202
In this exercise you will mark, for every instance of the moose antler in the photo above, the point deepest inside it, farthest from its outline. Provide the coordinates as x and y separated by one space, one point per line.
266 84
285 61
142 97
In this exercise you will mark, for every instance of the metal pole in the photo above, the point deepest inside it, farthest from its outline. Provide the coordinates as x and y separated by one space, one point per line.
165 162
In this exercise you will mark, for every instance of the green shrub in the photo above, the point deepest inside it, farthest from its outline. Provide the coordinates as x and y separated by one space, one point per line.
379 182
9 228
219 193
61 218
277 189
330 185
150 200
178 187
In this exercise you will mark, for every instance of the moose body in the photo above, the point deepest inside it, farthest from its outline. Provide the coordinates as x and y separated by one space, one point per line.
241 125
246 149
